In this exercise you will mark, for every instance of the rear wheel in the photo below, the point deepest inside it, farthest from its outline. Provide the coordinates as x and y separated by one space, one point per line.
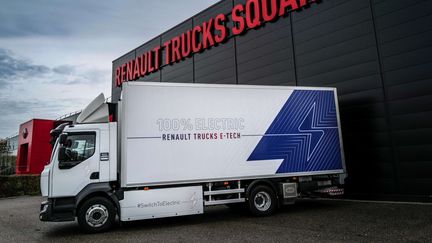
96 215
262 201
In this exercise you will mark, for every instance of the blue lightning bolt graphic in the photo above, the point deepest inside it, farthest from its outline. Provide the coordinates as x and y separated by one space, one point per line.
304 134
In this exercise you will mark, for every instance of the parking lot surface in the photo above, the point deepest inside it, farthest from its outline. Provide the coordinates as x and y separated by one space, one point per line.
306 221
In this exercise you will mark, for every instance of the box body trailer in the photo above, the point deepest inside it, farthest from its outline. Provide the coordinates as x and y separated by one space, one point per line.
173 149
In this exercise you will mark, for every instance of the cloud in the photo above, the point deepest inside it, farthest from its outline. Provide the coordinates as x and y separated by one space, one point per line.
35 106
10 107
75 75
29 90
64 69
15 112
12 67
20 18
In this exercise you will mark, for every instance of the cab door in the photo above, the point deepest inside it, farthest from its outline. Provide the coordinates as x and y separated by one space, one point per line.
76 163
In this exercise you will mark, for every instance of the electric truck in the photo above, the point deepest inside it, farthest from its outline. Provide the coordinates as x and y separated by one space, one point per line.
165 150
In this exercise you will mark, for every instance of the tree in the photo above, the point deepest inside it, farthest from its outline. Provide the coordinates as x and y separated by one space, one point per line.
3 146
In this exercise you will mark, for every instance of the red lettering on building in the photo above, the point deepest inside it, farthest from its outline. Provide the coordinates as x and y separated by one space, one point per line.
143 65
196 43
167 46
305 2
136 70
269 13
129 73
220 26
150 62
157 51
239 21
287 4
123 73
118 82
186 43
175 43
207 38
251 15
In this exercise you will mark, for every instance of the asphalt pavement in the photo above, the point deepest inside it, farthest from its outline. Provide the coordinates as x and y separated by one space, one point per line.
306 221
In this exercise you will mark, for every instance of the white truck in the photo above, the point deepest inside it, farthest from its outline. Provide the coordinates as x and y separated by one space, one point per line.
173 149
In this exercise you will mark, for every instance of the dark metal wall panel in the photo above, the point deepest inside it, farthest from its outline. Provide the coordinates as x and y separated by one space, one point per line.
182 71
335 45
404 31
265 55
116 91
216 65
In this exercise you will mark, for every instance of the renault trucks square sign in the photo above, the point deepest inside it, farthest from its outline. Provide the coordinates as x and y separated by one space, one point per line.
252 15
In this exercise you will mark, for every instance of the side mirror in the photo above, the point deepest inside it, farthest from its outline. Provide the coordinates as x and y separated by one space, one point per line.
62 138
62 154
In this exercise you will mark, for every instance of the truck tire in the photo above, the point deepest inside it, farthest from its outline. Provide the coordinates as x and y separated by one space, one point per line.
96 215
262 201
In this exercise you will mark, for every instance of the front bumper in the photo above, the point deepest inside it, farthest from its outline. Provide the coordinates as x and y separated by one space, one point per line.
48 212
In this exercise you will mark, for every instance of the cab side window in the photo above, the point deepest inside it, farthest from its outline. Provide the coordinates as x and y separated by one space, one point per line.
77 148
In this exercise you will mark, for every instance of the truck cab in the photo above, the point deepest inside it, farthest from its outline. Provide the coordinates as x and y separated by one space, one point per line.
83 165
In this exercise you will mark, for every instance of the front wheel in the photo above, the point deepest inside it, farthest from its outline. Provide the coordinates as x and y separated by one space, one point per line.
262 201
96 215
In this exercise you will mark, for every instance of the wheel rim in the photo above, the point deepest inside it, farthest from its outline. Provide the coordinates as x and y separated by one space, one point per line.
262 201
97 215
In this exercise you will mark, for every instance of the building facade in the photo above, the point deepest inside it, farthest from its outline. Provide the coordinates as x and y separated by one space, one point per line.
33 144
377 53
8 155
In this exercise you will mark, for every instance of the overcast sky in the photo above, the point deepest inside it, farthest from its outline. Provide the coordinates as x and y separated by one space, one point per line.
56 56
